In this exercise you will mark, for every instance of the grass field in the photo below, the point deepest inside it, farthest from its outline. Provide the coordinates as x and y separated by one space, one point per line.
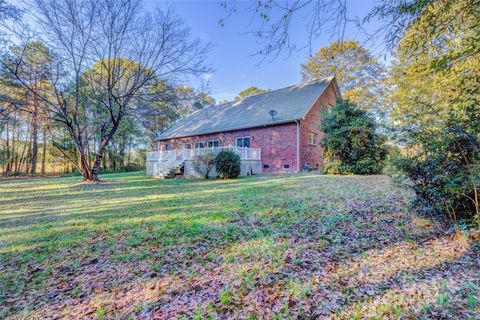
270 247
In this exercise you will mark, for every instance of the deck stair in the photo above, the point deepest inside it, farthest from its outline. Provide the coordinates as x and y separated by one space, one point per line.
167 164
171 163
169 170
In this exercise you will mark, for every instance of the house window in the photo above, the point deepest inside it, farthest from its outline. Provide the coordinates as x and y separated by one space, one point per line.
199 145
243 142
165 147
187 146
266 166
286 166
312 138
213 143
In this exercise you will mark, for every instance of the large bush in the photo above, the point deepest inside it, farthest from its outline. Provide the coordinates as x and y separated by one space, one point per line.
445 174
351 143
434 110
228 164
203 164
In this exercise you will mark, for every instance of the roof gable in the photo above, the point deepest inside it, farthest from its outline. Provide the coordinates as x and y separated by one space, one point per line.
291 103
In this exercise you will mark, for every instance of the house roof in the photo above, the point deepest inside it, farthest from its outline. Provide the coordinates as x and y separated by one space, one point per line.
291 103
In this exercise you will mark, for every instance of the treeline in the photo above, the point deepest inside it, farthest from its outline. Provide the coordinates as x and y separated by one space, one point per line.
91 86
23 148
32 144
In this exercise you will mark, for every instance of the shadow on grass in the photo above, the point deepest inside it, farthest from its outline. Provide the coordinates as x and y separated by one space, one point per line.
145 247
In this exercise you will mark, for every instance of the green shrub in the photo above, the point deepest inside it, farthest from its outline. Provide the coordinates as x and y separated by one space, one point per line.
351 143
228 164
203 164
129 167
444 174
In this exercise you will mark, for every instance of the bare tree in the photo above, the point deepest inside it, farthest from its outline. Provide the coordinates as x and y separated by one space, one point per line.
272 22
8 13
203 164
107 57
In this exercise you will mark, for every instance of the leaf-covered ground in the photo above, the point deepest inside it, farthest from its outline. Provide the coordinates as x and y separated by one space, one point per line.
268 247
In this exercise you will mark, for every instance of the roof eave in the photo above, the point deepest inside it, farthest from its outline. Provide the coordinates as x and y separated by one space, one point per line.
333 81
267 124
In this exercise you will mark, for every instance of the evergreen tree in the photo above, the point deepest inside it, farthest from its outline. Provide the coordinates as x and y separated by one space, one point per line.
351 143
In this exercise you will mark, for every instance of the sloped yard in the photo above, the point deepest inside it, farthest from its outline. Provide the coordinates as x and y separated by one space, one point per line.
300 246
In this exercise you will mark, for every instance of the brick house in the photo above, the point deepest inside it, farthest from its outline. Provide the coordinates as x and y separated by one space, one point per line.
274 132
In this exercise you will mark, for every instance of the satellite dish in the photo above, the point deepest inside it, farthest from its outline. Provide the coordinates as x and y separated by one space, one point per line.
273 113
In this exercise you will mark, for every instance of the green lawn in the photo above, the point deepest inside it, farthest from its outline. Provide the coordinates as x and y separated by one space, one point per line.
299 246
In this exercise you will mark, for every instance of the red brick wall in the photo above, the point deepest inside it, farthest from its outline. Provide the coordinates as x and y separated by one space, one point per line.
278 144
313 154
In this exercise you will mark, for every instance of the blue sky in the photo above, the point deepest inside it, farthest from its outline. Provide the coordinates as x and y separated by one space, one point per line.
231 56
235 66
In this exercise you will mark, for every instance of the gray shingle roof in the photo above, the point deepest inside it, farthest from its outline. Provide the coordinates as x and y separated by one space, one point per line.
291 103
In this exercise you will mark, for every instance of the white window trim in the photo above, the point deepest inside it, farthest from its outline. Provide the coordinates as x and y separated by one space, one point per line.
185 144
204 144
249 137
217 140
315 138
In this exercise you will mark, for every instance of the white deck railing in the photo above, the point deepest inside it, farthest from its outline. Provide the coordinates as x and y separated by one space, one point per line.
189 154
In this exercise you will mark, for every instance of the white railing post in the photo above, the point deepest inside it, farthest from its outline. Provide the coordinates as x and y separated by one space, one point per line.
189 154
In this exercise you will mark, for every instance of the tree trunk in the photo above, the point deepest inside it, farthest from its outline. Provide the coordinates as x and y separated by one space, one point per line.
20 159
104 163
101 150
112 156
121 152
7 170
13 155
34 155
85 168
44 150
97 162
129 151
